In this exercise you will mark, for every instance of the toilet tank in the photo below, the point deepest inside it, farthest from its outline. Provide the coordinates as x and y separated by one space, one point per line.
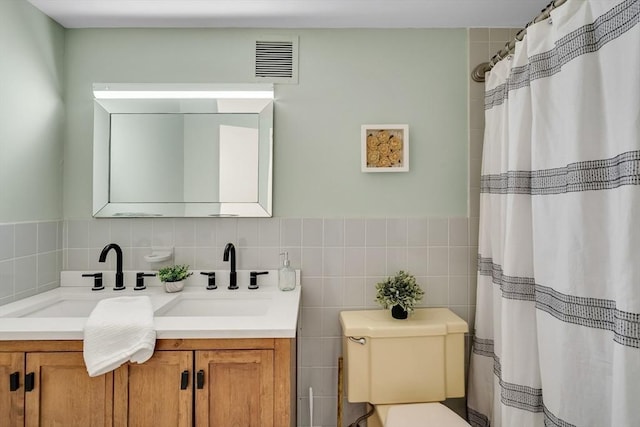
420 359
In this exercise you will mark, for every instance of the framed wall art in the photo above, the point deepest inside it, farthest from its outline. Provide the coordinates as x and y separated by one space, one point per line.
385 148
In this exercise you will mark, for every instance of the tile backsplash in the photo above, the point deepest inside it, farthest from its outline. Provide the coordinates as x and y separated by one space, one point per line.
341 260
30 258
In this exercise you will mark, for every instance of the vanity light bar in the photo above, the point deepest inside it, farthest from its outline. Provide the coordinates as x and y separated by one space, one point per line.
181 94
183 91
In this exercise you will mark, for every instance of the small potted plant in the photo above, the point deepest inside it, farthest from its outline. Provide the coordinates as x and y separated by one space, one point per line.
400 292
173 277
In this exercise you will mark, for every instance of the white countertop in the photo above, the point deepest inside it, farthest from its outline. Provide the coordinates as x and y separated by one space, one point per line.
278 319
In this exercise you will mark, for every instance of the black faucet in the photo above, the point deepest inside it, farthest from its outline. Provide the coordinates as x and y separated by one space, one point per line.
119 275
230 250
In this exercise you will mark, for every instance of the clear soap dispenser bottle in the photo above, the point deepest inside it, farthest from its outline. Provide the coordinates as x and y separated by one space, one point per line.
286 275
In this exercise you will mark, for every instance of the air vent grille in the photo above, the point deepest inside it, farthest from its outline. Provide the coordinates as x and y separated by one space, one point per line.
276 61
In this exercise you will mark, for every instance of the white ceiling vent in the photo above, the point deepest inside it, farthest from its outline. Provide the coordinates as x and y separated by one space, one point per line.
276 59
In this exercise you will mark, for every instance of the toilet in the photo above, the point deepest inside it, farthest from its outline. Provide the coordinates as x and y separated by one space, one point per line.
404 368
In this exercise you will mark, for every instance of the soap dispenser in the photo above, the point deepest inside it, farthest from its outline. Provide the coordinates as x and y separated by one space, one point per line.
286 276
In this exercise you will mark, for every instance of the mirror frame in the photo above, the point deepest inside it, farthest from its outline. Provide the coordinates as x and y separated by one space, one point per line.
113 98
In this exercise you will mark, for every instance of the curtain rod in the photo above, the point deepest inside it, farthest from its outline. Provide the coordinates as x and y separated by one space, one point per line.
481 69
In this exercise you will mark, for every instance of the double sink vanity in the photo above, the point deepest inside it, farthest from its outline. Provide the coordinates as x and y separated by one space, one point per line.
222 357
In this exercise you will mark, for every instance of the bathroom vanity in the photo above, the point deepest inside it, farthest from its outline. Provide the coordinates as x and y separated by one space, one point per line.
227 368
202 382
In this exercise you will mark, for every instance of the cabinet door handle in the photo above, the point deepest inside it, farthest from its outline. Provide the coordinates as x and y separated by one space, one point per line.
184 380
200 380
29 381
14 381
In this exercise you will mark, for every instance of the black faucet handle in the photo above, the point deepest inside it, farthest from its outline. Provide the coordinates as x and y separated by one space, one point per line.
140 280
253 278
97 281
211 283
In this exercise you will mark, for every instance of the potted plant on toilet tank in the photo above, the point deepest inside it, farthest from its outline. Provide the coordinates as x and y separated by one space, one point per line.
400 292
173 277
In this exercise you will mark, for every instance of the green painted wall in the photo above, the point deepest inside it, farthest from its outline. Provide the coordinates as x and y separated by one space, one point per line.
31 113
346 78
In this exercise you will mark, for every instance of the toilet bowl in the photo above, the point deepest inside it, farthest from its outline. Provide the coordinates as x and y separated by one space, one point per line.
404 368
416 415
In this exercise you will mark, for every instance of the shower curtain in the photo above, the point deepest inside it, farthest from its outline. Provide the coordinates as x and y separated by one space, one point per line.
557 329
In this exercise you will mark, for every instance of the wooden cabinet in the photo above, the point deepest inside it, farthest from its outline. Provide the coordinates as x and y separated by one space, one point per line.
157 392
241 382
52 389
11 392
195 382
234 388
63 394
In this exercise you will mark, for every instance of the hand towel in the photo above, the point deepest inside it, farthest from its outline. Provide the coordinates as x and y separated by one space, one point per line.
118 330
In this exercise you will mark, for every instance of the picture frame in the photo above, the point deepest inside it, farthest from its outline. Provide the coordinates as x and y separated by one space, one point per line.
385 148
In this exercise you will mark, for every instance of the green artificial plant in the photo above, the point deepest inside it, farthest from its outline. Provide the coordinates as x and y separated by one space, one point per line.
401 290
174 273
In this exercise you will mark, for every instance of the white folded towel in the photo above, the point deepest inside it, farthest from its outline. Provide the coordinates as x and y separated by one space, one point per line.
118 330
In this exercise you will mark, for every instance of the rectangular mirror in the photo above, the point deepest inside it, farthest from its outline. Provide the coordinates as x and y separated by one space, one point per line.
182 150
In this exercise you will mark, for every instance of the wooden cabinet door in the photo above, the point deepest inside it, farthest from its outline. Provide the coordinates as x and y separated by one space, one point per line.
153 393
237 388
63 394
12 389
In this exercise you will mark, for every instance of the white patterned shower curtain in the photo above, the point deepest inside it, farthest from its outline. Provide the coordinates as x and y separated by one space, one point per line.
557 330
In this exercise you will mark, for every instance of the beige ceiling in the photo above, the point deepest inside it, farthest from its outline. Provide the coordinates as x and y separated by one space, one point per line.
291 13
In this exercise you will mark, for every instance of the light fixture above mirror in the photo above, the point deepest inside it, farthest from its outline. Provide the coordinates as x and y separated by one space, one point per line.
181 91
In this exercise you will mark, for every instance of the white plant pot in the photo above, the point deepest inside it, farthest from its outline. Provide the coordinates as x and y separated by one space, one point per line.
173 286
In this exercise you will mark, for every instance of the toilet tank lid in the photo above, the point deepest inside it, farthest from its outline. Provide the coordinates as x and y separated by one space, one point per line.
422 322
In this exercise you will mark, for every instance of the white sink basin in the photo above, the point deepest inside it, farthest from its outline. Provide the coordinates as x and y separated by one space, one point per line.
206 305
78 305
64 308
187 304
59 306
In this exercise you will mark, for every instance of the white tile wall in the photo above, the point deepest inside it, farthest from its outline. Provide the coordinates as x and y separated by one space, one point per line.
7 246
26 239
30 258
